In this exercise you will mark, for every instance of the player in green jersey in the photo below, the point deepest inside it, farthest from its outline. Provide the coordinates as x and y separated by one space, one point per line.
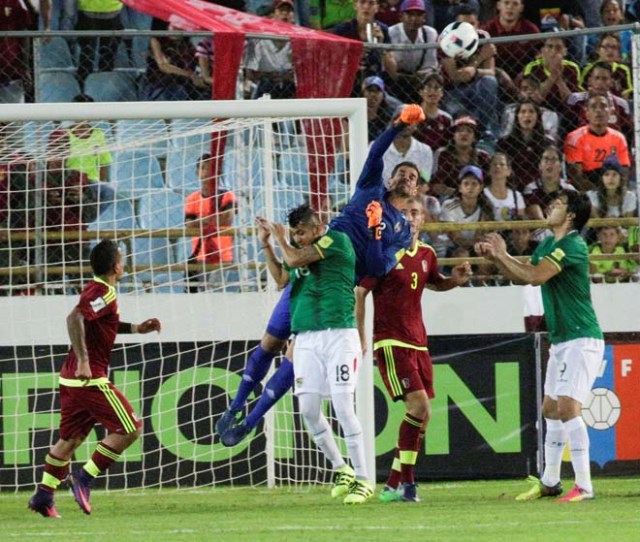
328 353
560 264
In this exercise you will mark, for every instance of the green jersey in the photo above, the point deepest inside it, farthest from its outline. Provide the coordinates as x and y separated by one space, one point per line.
566 297
322 295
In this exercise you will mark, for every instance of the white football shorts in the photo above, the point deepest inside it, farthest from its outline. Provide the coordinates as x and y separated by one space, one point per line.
573 367
327 361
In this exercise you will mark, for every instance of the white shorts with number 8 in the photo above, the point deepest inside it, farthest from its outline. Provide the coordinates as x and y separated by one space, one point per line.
326 362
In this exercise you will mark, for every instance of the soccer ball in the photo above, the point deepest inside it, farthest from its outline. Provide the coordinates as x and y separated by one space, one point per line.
602 409
458 40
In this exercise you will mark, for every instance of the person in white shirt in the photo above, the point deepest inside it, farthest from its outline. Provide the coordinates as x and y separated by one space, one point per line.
406 148
412 64
507 203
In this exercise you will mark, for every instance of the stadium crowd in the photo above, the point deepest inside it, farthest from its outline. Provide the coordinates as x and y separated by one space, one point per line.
504 128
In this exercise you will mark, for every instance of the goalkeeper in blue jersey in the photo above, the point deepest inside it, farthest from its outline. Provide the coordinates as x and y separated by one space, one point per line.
391 233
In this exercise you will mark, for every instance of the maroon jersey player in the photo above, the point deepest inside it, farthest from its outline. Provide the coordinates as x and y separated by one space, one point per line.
86 395
400 345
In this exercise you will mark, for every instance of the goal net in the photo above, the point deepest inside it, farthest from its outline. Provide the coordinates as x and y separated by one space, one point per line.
77 173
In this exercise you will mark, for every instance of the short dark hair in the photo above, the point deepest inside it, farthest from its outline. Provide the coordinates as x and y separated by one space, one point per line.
104 257
405 163
579 204
303 214
467 9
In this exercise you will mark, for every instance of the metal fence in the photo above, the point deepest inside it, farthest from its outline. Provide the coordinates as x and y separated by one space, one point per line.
515 110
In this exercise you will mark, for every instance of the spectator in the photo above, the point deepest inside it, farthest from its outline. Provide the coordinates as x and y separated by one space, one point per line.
471 82
467 205
98 15
608 51
365 27
84 147
459 152
69 208
432 211
599 80
435 129
17 202
210 210
506 202
204 57
443 12
611 15
15 62
554 15
380 106
172 69
525 143
326 14
611 197
529 90
610 242
412 65
389 12
587 147
514 56
268 62
558 77
521 242
406 148
541 192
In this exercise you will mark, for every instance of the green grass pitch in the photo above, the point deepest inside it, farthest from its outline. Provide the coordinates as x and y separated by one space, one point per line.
455 511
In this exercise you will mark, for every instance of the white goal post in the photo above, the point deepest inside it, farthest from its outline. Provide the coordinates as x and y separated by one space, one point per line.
179 380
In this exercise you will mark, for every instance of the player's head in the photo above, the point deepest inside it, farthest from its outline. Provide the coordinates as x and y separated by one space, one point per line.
106 259
600 77
467 13
552 48
569 205
305 225
414 211
598 109
404 180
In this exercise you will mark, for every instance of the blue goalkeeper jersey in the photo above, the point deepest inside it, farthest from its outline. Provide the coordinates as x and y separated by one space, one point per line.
396 232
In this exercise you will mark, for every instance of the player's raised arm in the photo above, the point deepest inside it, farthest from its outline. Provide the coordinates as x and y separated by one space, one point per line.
494 248
274 265
373 166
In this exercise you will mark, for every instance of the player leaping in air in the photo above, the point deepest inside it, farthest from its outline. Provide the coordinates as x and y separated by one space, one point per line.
86 395
373 259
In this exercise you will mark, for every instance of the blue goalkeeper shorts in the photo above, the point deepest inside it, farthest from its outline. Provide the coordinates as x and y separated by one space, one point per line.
280 322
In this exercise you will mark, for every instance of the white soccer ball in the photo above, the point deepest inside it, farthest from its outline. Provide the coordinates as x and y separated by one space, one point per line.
458 40
602 409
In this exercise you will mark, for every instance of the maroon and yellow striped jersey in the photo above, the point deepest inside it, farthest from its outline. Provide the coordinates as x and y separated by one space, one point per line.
397 297
99 306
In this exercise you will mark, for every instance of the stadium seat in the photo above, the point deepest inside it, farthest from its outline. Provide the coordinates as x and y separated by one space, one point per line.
55 54
181 171
118 216
132 55
150 135
161 209
293 169
111 87
56 87
34 136
150 252
134 173
186 134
